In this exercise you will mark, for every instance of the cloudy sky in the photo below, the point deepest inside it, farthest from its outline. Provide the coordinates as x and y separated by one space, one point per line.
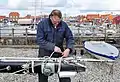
68 7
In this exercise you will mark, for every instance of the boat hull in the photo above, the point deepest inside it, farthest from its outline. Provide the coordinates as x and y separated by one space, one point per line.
101 50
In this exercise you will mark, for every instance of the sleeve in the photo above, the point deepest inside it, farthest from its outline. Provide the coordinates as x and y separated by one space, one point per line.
69 39
41 38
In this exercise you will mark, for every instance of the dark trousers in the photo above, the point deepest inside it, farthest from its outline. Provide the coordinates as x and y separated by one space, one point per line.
43 78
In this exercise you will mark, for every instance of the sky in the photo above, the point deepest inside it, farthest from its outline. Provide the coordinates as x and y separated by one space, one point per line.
68 7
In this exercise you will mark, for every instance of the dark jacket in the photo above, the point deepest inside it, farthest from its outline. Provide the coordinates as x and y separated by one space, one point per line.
48 37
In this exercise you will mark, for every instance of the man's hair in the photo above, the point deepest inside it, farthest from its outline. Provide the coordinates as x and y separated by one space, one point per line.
56 13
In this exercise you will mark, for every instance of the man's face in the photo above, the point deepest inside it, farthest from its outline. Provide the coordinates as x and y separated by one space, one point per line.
55 20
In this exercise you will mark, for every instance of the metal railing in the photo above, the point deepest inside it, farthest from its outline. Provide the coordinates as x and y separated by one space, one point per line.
23 37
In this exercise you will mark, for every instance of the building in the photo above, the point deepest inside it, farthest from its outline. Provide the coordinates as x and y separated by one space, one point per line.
81 18
14 16
91 17
116 20
2 18
106 18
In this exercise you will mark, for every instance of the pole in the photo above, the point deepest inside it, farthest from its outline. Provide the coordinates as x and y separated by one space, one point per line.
0 34
35 16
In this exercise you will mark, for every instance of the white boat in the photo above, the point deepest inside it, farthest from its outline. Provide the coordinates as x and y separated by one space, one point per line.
101 50
32 30
88 32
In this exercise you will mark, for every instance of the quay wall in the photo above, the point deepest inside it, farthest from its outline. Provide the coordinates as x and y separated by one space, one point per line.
31 40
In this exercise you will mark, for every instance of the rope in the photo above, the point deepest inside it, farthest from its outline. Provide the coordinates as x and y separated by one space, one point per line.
59 65
32 65
6 68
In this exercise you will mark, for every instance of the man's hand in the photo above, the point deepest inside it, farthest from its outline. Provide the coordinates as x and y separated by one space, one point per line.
66 52
57 49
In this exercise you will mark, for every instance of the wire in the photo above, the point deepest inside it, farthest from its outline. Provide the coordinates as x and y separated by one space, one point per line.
19 71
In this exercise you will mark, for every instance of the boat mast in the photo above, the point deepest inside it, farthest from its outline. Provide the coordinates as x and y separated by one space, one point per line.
41 9
35 14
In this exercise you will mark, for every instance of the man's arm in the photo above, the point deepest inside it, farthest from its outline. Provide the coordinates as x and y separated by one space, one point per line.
69 42
41 38
69 39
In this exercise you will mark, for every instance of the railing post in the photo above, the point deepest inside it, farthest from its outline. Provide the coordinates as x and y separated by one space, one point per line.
13 36
79 36
105 35
26 33
0 34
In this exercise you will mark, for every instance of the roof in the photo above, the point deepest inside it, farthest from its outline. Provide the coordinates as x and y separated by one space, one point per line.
14 14
1 17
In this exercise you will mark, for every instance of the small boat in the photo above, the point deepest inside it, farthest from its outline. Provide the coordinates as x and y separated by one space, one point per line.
101 50
88 32
32 30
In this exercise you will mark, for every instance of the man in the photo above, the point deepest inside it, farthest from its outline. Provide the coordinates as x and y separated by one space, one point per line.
50 36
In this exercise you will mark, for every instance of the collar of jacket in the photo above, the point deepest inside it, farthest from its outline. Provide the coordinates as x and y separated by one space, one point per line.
51 24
